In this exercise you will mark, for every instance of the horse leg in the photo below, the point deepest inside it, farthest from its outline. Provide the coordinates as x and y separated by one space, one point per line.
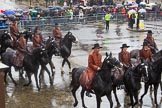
63 62
110 100
145 92
116 98
98 99
82 97
21 73
155 92
161 87
51 81
5 77
29 78
52 67
66 59
36 80
40 75
136 98
74 95
10 74
131 99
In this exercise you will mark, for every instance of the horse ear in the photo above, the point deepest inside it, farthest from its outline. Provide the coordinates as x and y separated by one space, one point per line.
69 33
110 54
107 54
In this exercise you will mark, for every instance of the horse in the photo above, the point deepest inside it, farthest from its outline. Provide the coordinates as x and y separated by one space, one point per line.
132 80
136 54
65 48
117 79
5 42
7 58
101 84
154 78
32 61
52 49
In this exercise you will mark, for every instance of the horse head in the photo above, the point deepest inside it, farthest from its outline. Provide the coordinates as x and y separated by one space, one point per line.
40 53
143 70
70 37
52 47
110 61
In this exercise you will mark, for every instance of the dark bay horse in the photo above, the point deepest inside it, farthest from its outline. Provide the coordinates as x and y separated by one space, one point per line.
154 78
7 58
132 81
65 48
32 61
117 75
102 83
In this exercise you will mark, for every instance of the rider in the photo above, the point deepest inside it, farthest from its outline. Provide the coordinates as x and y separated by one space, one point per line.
14 31
37 38
124 56
94 65
145 52
57 34
125 59
151 42
21 49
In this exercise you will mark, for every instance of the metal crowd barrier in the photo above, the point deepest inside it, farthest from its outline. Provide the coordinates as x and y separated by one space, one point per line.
50 21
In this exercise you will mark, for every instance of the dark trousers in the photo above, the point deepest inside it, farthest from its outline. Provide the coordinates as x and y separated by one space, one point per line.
107 25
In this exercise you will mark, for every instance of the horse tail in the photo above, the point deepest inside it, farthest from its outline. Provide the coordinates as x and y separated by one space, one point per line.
72 81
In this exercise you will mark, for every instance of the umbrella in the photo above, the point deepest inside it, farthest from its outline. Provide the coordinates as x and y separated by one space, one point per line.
9 12
2 11
2 15
142 10
34 11
142 3
131 11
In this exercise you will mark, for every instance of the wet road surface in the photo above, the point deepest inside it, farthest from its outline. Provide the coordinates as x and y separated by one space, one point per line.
59 95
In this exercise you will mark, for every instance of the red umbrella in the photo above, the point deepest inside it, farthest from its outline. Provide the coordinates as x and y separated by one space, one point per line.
2 11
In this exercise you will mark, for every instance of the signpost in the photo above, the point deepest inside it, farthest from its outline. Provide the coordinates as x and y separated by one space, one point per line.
2 87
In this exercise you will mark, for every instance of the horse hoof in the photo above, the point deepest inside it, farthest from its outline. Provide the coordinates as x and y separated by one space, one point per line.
84 107
141 102
118 104
75 104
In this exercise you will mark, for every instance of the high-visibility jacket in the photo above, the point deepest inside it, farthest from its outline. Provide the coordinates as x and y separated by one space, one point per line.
107 17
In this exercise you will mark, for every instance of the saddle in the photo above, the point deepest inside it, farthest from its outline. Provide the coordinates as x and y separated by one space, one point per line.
117 73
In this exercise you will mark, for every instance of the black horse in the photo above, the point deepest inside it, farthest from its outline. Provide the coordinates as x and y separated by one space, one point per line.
52 49
132 81
32 61
102 83
65 48
136 55
154 78
5 42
